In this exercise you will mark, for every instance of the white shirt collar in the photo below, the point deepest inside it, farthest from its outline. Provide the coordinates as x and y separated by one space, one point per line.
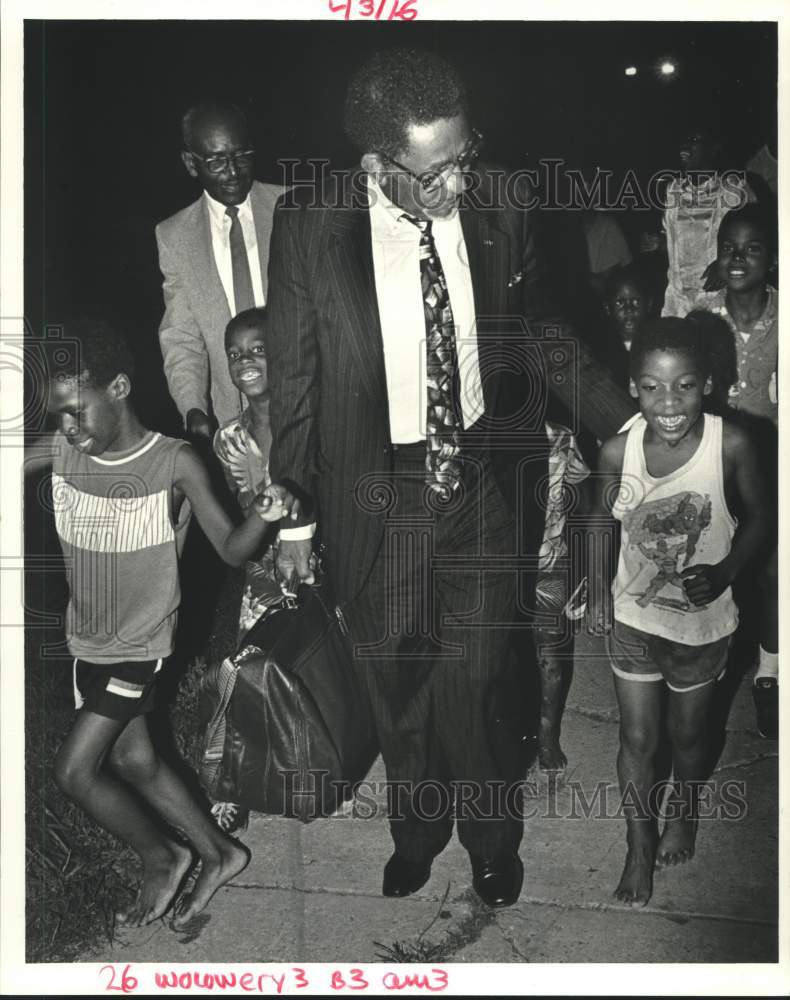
385 211
217 209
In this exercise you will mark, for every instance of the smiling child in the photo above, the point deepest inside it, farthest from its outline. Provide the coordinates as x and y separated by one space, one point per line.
671 480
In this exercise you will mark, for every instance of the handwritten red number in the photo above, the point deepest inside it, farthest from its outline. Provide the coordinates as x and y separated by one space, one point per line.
358 981
301 978
442 977
405 11
337 7
365 8
128 982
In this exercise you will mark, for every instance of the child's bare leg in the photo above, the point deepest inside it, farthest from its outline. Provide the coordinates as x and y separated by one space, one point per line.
222 857
550 665
687 721
640 714
81 775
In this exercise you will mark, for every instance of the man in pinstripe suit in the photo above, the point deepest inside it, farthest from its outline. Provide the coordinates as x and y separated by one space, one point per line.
428 582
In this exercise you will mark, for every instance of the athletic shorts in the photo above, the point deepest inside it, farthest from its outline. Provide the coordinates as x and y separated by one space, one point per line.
638 656
120 691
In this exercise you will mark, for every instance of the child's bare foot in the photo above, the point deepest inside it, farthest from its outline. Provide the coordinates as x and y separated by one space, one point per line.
677 843
214 873
162 878
550 755
636 882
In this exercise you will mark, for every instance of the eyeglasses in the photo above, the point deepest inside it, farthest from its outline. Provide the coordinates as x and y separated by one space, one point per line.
219 164
429 180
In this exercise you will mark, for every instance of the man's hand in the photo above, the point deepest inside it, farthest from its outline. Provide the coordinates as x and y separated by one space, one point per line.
703 584
199 425
293 563
275 503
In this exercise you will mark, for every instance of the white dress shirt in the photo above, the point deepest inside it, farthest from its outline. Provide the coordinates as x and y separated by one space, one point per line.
396 265
220 242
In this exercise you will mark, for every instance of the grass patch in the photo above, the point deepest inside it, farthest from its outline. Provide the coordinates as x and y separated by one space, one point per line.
76 873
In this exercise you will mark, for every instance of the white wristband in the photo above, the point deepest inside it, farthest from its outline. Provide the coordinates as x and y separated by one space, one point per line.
298 534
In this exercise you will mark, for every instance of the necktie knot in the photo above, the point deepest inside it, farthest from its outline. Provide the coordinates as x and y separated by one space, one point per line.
232 211
424 225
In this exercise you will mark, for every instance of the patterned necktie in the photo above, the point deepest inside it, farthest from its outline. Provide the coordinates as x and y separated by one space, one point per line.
242 282
442 460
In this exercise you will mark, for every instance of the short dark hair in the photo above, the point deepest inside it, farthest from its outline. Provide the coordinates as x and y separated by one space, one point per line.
622 274
244 320
671 334
755 215
204 111
90 350
397 88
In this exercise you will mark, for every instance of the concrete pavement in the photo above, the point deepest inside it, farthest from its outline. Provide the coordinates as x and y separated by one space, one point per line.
313 893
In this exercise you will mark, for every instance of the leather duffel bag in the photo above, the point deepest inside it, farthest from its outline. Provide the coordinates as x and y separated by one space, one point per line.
291 731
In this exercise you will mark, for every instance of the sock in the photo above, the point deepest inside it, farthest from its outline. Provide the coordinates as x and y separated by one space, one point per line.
768 665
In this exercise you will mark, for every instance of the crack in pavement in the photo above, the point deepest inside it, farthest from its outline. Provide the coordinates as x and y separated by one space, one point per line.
473 925
747 761
511 943
646 911
595 715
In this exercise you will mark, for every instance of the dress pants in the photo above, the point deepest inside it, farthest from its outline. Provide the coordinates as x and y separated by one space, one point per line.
431 630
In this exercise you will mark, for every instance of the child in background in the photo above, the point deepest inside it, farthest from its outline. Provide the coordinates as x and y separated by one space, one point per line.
567 470
750 305
122 498
626 306
672 480
696 202
242 446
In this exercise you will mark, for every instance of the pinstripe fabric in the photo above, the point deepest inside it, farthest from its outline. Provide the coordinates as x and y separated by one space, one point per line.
331 437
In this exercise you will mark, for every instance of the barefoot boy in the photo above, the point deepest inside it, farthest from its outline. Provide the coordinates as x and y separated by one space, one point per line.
122 497
674 480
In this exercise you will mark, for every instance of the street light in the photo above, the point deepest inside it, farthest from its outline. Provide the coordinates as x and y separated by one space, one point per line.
630 71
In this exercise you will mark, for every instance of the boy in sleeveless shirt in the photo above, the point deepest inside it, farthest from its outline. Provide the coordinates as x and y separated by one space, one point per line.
674 480
122 498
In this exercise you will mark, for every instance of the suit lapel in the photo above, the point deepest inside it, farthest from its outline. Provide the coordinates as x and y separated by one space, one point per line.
262 215
201 258
350 255
489 248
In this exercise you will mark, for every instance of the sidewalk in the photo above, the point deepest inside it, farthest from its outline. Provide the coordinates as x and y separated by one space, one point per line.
313 893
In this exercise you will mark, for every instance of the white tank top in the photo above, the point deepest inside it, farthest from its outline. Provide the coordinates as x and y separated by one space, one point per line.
670 523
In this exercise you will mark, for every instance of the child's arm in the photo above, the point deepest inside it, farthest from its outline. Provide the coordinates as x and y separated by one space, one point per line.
601 554
704 583
234 545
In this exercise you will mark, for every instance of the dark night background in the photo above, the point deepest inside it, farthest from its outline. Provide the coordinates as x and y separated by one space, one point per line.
103 100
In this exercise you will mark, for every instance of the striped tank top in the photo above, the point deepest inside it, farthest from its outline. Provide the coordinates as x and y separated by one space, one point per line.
121 542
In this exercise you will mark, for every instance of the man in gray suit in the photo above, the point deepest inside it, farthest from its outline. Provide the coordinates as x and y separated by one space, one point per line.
214 257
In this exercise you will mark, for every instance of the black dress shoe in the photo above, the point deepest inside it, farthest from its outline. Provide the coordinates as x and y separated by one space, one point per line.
403 877
497 881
